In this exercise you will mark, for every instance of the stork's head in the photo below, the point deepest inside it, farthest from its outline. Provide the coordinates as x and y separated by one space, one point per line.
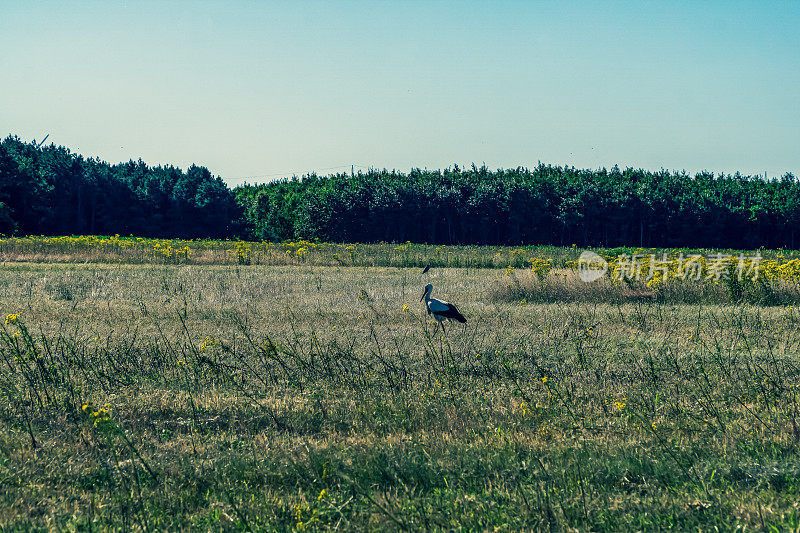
428 289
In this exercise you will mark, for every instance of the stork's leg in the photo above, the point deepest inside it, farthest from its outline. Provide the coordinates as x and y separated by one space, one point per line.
443 331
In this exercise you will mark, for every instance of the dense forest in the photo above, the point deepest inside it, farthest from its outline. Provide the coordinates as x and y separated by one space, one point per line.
49 190
544 205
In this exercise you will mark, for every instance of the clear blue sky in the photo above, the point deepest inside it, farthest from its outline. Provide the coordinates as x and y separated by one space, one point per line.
272 88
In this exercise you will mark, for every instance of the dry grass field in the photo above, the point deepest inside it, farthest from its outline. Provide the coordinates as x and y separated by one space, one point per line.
279 397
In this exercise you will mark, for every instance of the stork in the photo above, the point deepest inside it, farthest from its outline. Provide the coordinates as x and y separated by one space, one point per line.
439 309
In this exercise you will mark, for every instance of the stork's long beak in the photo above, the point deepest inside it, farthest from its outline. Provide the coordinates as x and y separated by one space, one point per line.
423 295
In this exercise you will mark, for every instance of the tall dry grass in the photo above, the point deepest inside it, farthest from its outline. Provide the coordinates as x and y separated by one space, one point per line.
297 397
565 285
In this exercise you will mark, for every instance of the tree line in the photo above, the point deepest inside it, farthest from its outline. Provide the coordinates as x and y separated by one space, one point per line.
51 191
544 205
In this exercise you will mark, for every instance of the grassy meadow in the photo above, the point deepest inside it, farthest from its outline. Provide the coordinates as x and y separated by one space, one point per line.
282 389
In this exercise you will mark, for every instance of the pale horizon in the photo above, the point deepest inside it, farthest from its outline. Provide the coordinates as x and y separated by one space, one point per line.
259 91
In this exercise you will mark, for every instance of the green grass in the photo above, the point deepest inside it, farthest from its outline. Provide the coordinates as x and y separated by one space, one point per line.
307 397
137 250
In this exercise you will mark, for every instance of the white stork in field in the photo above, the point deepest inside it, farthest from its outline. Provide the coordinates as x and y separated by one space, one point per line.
439 309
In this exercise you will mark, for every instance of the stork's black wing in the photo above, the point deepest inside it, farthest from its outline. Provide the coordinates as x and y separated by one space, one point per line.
452 313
